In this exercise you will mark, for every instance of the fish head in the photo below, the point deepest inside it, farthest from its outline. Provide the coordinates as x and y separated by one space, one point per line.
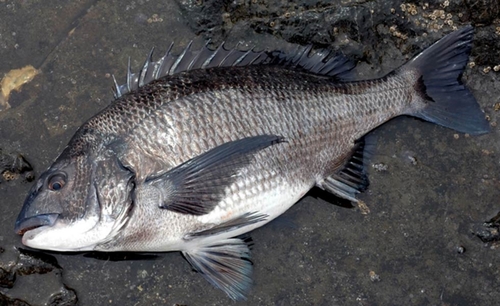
76 204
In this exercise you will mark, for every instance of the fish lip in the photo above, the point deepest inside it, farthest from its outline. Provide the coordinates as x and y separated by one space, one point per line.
26 224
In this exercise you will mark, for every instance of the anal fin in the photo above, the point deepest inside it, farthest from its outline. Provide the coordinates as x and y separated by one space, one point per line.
225 264
351 179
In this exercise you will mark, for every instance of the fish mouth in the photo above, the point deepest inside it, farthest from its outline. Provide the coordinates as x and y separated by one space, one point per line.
26 224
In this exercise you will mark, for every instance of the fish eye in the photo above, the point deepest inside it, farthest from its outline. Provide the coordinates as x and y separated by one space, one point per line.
57 182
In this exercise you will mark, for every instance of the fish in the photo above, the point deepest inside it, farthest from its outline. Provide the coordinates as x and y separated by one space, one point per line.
200 148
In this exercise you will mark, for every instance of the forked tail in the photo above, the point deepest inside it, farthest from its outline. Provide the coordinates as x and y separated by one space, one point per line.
447 101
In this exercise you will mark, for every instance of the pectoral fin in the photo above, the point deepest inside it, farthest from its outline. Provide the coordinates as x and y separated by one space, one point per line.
197 186
226 265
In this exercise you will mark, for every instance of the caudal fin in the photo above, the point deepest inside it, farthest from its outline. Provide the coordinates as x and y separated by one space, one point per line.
448 102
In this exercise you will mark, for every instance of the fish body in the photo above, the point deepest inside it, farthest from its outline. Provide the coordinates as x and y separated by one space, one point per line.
187 158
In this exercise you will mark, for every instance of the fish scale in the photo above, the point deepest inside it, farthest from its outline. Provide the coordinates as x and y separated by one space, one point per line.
318 145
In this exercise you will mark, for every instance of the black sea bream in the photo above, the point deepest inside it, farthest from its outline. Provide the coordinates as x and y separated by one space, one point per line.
200 148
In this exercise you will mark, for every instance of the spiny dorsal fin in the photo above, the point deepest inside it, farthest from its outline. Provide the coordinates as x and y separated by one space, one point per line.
323 62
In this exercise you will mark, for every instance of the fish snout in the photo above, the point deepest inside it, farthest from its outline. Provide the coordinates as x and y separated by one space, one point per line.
39 209
25 224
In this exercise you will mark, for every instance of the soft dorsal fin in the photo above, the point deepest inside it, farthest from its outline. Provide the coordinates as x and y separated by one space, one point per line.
323 62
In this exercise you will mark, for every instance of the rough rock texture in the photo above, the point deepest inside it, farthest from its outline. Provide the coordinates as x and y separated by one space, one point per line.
359 25
432 190
34 279
15 166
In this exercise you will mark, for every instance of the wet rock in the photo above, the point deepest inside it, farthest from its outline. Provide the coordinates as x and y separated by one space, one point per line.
482 12
15 166
489 231
7 279
377 24
204 16
31 262
5 300
485 41
66 297
38 271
